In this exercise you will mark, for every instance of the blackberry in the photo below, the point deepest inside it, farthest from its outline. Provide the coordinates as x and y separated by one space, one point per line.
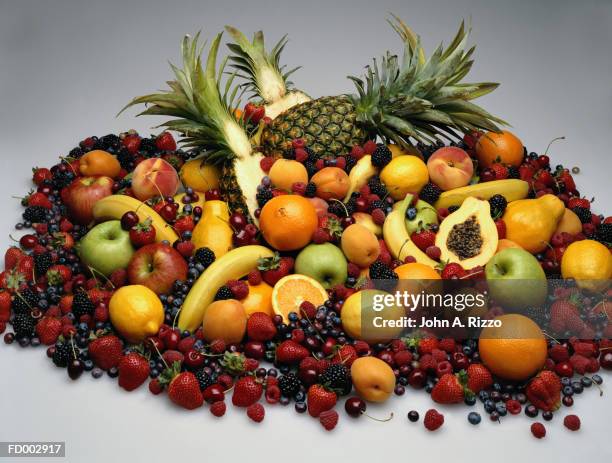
430 193
76 153
338 378
537 314
24 301
452 209
125 158
498 205
204 379
224 293
147 145
289 384
377 187
62 179
35 214
63 353
312 156
23 325
110 142
379 271
381 156
350 163
604 233
310 168
263 197
336 208
42 263
205 256
513 172
583 214
311 190
82 305
378 204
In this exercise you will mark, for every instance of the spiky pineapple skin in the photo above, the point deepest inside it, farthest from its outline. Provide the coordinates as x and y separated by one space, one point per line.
328 125
230 190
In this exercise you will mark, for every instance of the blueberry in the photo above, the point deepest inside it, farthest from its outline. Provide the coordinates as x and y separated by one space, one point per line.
300 407
500 408
565 381
474 418
568 390
483 395
97 372
597 379
489 406
411 213
577 387
586 382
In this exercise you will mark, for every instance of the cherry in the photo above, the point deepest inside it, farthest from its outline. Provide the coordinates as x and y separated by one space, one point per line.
193 359
346 222
386 357
28 241
328 347
154 343
487 175
355 407
459 361
564 369
605 360
308 376
254 349
238 221
170 339
212 195
214 393
361 205
242 238
168 212
417 379
543 161
75 369
557 240
251 230
129 220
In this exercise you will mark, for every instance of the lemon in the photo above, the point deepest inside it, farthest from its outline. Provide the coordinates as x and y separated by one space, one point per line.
589 263
201 177
404 174
136 312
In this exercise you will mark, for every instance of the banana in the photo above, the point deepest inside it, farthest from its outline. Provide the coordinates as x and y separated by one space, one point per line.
231 266
511 189
360 174
113 207
397 238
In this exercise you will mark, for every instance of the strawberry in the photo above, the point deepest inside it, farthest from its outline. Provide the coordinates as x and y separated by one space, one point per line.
12 256
320 236
330 223
578 202
25 267
433 419
5 306
106 351
566 178
254 277
143 234
544 391
62 240
449 389
48 329
184 389
183 224
501 171
66 303
479 378
40 175
565 316
260 327
291 353
320 400
275 268
256 412
165 142
345 355
453 271
423 239
59 274
329 419
133 371
427 345
132 143
247 391
40 200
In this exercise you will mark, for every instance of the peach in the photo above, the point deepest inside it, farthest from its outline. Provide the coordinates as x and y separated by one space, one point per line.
154 177
360 245
450 167
285 172
331 182
320 206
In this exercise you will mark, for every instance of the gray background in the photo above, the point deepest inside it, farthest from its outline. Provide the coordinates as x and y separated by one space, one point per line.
66 67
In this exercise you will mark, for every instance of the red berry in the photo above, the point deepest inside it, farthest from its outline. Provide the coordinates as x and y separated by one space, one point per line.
266 163
218 408
433 420
256 412
357 152
538 430
433 252
378 216
329 419
572 422
369 147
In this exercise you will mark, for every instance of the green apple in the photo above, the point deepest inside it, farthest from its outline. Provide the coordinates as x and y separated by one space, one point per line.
426 215
106 248
516 279
323 262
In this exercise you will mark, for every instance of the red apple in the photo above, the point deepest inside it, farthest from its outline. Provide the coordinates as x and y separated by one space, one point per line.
154 177
157 266
450 167
83 193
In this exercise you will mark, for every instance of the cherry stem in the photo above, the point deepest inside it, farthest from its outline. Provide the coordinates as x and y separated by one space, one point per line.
343 206
551 142
389 418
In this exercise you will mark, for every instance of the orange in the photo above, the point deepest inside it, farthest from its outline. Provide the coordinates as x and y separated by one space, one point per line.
224 320
290 291
285 172
97 163
288 222
258 300
416 271
516 350
504 147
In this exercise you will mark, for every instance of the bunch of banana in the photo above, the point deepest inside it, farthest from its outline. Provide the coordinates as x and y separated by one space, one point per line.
360 174
397 238
231 266
511 189
113 207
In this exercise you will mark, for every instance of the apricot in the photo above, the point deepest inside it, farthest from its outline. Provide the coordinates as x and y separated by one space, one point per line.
99 163
331 182
360 245
224 320
373 379
285 172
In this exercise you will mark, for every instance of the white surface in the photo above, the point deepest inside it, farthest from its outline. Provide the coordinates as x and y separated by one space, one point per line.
67 68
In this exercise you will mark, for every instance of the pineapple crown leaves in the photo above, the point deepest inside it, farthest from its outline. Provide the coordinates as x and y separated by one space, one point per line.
264 74
201 104
419 98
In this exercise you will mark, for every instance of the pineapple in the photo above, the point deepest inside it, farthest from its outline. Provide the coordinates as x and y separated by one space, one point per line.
403 101
266 78
203 115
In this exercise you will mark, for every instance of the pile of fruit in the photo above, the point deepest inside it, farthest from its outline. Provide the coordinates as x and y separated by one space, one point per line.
237 265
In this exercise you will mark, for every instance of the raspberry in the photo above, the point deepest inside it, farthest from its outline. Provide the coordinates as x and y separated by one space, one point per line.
239 288
357 152
341 162
308 309
427 362
433 420
218 408
309 363
254 278
538 430
369 147
155 387
300 154
299 188
273 394
558 353
266 163
378 216
572 422
403 357
439 355
361 347
256 412
447 345
329 419
513 406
